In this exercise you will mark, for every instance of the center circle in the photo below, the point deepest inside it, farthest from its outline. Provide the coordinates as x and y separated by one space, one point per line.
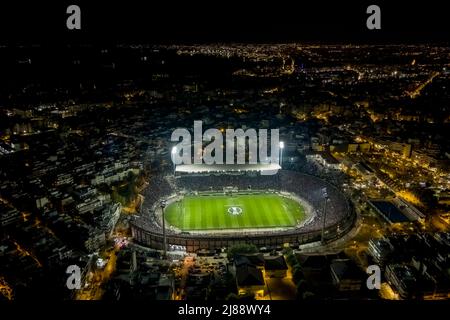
235 210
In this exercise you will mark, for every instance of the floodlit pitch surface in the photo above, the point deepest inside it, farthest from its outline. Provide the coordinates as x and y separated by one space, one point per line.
218 212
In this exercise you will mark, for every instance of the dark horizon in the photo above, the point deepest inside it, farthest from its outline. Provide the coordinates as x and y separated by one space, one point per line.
202 22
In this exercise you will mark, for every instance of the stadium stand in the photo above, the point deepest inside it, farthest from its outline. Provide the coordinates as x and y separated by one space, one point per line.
340 216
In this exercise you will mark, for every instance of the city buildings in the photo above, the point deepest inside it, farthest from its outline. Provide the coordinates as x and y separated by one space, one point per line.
77 156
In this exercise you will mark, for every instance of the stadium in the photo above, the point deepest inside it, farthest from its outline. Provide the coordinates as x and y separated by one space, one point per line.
233 211
202 207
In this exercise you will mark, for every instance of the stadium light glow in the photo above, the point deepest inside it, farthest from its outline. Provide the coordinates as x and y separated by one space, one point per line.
325 196
281 152
163 212
174 151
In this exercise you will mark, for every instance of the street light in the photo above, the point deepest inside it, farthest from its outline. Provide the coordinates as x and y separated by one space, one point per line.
174 152
325 196
281 152
163 205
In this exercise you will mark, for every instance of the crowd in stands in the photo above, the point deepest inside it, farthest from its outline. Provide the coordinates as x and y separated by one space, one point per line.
218 183
159 188
313 190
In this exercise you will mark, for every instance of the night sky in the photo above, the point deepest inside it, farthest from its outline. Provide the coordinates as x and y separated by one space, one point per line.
229 21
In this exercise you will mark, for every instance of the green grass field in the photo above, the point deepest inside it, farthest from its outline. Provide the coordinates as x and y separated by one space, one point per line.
214 212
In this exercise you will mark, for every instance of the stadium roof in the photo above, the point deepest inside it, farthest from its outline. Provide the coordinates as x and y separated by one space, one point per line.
204 168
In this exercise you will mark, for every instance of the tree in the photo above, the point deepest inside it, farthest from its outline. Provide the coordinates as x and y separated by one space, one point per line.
297 273
302 287
291 259
242 248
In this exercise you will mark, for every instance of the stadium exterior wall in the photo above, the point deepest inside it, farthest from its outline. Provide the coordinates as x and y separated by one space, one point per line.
154 238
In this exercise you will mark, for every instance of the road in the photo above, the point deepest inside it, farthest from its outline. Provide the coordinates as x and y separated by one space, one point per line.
415 93
99 277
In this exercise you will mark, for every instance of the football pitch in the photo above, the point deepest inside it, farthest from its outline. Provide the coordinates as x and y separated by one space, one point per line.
216 212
